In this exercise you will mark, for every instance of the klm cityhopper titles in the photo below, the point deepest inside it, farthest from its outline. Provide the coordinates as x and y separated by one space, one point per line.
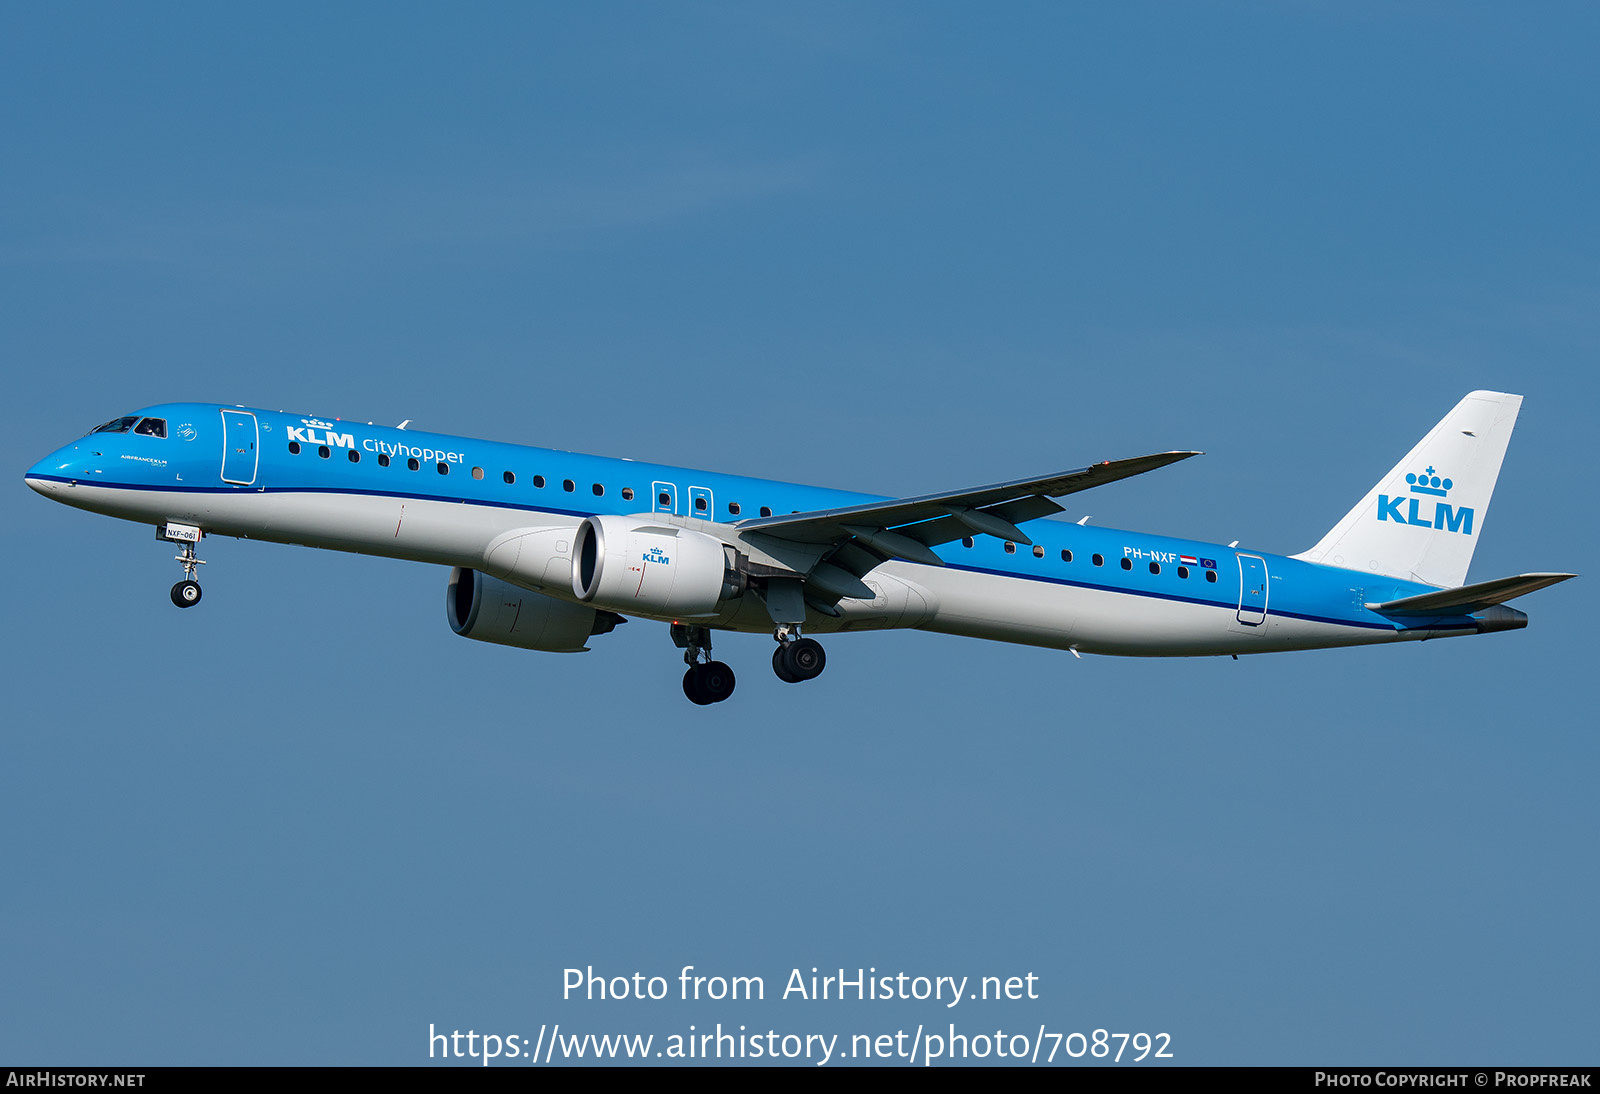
550 549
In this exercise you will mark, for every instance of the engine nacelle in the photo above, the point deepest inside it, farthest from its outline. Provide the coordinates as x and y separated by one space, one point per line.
636 566
490 610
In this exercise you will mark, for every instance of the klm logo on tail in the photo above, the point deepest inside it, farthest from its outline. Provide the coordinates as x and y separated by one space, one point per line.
1444 516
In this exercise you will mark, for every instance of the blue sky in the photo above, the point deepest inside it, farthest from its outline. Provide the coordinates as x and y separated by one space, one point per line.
895 248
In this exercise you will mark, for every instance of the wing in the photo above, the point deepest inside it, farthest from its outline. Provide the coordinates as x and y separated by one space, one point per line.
993 510
840 546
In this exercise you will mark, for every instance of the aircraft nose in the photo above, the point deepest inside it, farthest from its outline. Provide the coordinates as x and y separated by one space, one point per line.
48 476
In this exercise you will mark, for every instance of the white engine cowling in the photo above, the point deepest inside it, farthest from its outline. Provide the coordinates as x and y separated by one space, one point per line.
490 610
531 557
635 566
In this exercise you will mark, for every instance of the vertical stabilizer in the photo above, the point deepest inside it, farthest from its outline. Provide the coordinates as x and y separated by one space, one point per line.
1422 520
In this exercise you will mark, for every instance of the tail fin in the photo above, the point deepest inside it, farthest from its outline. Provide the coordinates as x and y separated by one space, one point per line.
1422 520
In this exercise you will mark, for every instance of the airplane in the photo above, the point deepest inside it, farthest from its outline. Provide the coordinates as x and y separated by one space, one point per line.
551 549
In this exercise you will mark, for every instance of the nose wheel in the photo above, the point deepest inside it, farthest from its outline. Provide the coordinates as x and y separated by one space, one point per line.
186 593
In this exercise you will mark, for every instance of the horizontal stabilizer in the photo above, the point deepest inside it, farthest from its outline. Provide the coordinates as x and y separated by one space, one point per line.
1469 598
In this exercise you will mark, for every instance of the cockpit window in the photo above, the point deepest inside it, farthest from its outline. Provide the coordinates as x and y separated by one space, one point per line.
116 425
152 427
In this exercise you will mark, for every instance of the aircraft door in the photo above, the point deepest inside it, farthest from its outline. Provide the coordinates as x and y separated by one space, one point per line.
240 456
1252 590
663 497
700 503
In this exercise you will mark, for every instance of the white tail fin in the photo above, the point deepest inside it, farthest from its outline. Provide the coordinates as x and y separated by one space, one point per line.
1422 520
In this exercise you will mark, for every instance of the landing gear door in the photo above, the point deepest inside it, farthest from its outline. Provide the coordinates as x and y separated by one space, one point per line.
1252 590
663 497
240 456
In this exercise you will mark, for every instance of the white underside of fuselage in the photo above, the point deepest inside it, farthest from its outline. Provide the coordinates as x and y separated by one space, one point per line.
949 599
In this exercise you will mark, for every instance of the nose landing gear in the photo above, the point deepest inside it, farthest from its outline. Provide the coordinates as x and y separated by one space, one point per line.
186 593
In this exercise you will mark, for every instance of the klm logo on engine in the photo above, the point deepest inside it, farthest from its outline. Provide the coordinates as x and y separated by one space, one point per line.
1443 516
656 554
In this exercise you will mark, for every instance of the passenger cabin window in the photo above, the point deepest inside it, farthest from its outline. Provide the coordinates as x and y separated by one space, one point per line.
383 460
733 508
538 482
1211 576
477 472
1066 556
509 477
1155 567
568 485
322 450
599 491
1038 551
766 510
413 464
1098 560
627 493
1011 548
1183 571
1127 564
966 541
700 504
152 427
355 457
294 448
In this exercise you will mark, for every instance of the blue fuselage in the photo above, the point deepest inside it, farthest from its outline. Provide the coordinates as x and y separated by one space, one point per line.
347 485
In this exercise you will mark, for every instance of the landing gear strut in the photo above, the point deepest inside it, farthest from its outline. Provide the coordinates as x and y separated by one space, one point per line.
797 659
705 682
186 593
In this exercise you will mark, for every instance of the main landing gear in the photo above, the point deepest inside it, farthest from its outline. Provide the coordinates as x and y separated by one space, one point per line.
797 659
705 682
186 593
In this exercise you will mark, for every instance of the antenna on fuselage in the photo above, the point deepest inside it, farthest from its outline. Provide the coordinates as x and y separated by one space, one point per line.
403 424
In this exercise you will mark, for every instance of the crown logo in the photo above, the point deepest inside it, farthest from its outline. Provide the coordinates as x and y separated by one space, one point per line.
1429 483
317 423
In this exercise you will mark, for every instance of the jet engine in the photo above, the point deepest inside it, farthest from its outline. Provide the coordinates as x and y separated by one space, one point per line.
633 565
490 610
